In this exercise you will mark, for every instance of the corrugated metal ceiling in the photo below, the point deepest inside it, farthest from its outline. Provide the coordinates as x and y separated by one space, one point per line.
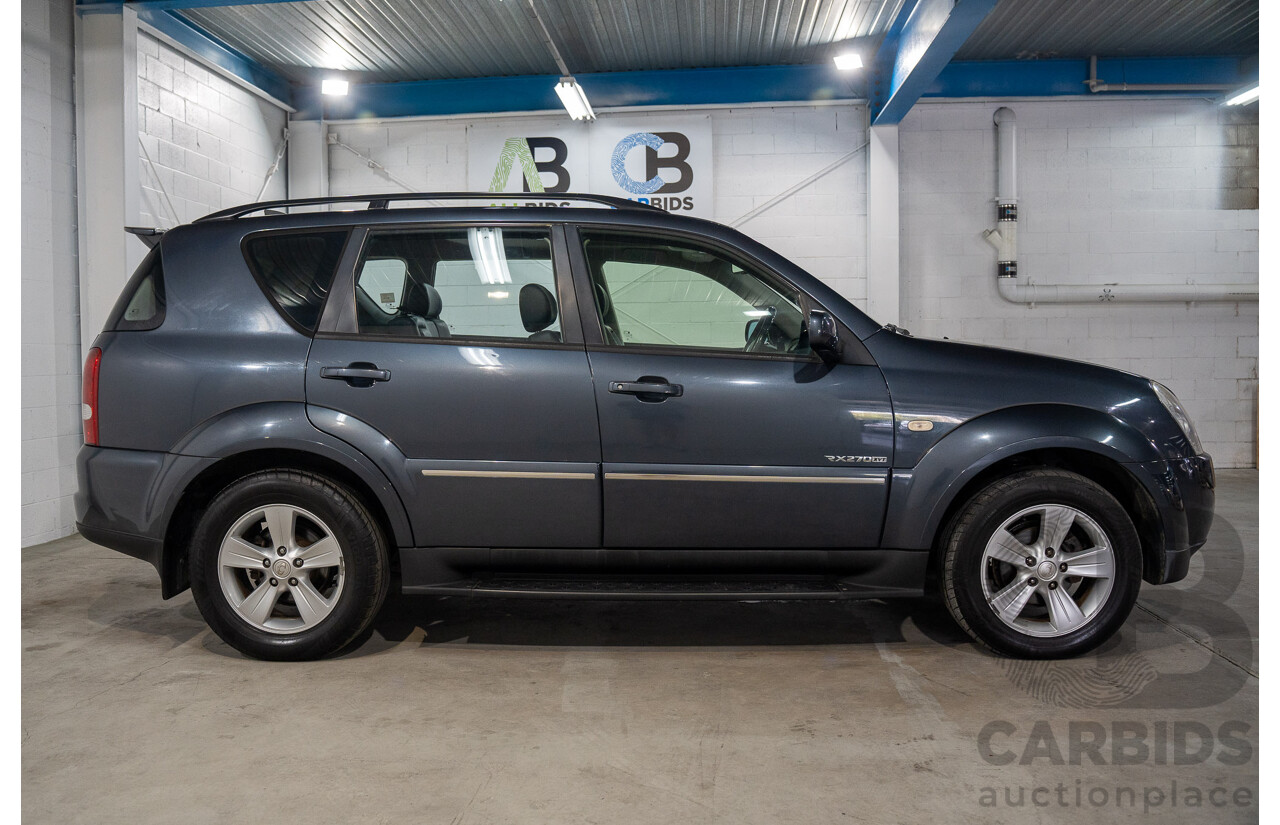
434 39
430 39
1029 29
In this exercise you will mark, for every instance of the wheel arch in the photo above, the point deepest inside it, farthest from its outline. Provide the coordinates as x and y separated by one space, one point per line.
276 435
174 573
1089 442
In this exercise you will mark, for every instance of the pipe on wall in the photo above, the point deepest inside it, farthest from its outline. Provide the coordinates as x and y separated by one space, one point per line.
1005 239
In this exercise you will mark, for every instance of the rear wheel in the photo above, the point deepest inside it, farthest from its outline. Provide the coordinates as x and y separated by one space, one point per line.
288 565
1042 564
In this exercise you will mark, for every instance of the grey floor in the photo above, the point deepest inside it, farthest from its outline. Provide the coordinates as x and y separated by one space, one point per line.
505 711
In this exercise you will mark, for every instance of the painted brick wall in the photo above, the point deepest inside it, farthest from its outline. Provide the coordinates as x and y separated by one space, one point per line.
210 142
757 154
50 295
1150 191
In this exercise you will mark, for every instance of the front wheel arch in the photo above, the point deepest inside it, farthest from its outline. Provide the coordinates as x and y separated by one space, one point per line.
1110 475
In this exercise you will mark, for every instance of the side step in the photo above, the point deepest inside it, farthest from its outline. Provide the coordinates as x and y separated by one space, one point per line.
643 588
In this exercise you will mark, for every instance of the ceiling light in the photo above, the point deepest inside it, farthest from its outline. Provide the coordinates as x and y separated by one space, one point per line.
574 99
498 295
1245 95
848 61
334 86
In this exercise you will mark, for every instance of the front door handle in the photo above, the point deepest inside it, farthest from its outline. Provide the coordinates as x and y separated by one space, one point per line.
648 388
359 374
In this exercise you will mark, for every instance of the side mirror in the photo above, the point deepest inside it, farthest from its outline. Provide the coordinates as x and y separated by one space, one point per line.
824 336
750 329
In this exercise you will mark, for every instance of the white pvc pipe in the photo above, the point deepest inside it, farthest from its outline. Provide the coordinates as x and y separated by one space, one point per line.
1005 240
1031 293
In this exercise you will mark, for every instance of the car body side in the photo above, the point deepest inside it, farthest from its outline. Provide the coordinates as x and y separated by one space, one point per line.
220 389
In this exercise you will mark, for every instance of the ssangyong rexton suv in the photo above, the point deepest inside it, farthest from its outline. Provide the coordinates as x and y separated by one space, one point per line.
293 413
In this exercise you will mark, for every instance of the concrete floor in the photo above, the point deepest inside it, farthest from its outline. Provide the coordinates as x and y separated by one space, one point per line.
507 711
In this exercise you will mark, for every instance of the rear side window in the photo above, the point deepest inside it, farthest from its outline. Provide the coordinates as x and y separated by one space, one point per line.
141 305
296 270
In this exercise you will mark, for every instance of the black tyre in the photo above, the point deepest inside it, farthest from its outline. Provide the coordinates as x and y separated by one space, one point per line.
1042 564
288 565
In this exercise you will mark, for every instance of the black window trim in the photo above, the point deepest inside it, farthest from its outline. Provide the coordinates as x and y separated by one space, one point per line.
116 320
335 323
270 294
593 325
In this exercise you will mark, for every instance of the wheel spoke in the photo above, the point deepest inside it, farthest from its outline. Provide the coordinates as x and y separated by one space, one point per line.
323 553
237 552
280 524
1010 601
1054 526
257 606
1064 613
1095 563
1006 547
312 607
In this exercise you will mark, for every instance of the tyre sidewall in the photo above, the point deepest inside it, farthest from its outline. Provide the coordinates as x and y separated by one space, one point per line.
364 559
989 510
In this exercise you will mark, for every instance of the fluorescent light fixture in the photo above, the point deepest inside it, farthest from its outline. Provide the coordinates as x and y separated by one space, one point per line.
574 99
755 313
498 295
848 61
1245 95
488 255
334 86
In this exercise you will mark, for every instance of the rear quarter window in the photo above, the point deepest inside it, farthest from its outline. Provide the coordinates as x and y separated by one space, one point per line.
296 270
141 305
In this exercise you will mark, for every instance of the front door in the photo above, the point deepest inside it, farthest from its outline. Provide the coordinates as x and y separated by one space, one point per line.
452 344
718 426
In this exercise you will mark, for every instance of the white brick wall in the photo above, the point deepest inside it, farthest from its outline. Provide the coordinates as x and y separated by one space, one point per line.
757 153
50 296
1109 191
210 141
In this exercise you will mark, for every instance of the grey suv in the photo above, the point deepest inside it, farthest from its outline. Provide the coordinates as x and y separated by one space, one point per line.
293 413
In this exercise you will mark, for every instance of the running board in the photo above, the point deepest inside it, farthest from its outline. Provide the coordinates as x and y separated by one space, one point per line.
644 588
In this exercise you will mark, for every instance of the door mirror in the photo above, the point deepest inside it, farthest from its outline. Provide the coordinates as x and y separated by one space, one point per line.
823 335
751 329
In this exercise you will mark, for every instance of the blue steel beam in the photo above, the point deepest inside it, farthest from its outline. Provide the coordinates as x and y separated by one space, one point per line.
917 50
1050 78
679 87
759 84
214 51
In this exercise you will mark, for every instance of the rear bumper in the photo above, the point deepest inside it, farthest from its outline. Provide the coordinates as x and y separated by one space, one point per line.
1183 492
125 499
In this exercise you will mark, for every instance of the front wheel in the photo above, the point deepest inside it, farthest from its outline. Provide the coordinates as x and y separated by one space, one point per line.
288 565
1042 564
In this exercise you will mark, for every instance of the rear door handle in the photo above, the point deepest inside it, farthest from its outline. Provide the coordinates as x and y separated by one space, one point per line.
359 374
647 388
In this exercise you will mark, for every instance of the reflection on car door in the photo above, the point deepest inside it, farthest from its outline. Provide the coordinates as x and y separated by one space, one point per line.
716 432
487 396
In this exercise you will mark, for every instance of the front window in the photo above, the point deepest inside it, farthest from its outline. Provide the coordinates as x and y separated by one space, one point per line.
667 293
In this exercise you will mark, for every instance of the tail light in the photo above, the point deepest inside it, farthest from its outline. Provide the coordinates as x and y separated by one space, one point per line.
89 396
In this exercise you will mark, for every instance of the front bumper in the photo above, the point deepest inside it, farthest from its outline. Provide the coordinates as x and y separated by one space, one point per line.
1183 493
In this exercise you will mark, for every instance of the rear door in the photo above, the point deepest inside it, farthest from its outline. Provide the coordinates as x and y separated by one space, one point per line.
719 428
456 345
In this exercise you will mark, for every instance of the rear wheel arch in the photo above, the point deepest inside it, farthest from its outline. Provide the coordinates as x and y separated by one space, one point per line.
175 575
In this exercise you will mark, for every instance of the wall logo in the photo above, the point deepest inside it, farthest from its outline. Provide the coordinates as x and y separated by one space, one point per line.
654 183
521 150
668 167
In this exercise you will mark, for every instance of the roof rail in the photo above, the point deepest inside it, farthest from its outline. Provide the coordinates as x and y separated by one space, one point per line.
382 201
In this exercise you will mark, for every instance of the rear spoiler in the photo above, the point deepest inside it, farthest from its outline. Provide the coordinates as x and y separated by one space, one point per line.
146 234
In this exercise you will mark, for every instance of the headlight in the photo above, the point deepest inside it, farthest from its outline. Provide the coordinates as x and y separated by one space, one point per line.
1174 406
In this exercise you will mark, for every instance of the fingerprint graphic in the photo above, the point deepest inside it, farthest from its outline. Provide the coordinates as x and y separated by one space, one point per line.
1076 684
618 163
516 149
